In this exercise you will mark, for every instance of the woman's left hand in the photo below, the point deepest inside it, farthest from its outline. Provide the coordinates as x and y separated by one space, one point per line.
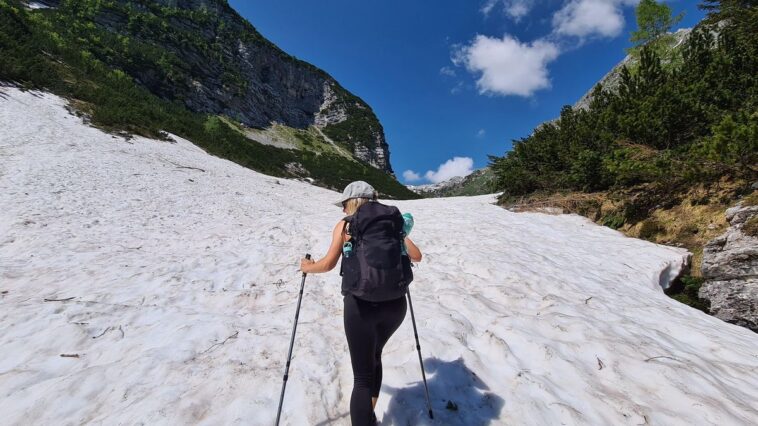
305 264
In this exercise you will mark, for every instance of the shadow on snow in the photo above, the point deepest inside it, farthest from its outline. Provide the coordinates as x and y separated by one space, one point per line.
458 397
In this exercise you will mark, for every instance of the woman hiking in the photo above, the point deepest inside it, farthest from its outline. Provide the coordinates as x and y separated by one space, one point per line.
372 310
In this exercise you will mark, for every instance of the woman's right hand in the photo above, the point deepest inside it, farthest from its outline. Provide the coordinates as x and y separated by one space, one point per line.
305 264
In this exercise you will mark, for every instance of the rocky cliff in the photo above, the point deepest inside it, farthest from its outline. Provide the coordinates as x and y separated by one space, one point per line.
204 55
730 267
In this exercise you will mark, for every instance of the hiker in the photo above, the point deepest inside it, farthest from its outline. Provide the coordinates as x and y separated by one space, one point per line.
371 313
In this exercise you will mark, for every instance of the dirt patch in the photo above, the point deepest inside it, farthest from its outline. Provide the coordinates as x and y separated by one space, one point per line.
585 204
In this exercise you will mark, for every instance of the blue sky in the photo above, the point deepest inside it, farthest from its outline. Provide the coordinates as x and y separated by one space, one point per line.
454 81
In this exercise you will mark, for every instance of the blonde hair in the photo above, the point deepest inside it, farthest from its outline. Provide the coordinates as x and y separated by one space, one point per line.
352 204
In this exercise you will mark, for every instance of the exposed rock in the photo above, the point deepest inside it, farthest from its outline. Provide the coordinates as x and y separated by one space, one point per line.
734 301
296 169
610 82
739 215
365 137
329 112
376 156
730 268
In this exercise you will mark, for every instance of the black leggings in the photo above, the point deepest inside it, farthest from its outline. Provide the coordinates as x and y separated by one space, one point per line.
368 326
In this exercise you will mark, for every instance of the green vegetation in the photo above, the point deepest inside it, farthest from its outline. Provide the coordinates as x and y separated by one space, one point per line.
480 182
650 227
654 21
686 290
665 131
751 200
750 227
61 50
613 220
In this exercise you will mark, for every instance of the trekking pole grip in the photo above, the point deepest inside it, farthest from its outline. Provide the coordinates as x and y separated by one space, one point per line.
307 256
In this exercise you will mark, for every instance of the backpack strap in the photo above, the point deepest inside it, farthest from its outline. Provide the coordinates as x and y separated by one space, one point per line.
348 220
346 230
354 233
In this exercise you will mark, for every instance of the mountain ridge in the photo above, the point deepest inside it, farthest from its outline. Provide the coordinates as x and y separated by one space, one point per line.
214 61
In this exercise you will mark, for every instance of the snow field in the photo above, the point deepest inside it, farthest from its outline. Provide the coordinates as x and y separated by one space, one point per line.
182 273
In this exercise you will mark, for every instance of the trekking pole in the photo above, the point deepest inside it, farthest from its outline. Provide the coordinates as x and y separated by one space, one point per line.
418 347
292 343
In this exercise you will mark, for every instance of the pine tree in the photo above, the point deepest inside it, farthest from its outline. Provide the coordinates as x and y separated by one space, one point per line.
654 21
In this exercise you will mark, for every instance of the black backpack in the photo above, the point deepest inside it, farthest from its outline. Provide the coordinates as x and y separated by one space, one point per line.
376 270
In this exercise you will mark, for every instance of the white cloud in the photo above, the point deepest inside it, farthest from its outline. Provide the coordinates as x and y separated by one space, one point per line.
457 166
516 9
447 71
488 6
481 133
584 18
507 66
411 176
458 88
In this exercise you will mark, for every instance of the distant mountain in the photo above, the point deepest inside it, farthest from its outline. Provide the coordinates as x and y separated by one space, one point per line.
479 182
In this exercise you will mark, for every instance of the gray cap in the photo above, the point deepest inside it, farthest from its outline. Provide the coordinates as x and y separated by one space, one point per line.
357 189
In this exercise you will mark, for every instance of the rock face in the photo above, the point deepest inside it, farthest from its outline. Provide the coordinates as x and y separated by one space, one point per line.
610 82
338 117
213 61
730 267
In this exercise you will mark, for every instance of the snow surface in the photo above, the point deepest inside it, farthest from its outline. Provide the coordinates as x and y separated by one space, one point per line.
183 287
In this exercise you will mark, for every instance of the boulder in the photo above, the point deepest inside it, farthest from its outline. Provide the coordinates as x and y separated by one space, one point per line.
734 301
730 270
